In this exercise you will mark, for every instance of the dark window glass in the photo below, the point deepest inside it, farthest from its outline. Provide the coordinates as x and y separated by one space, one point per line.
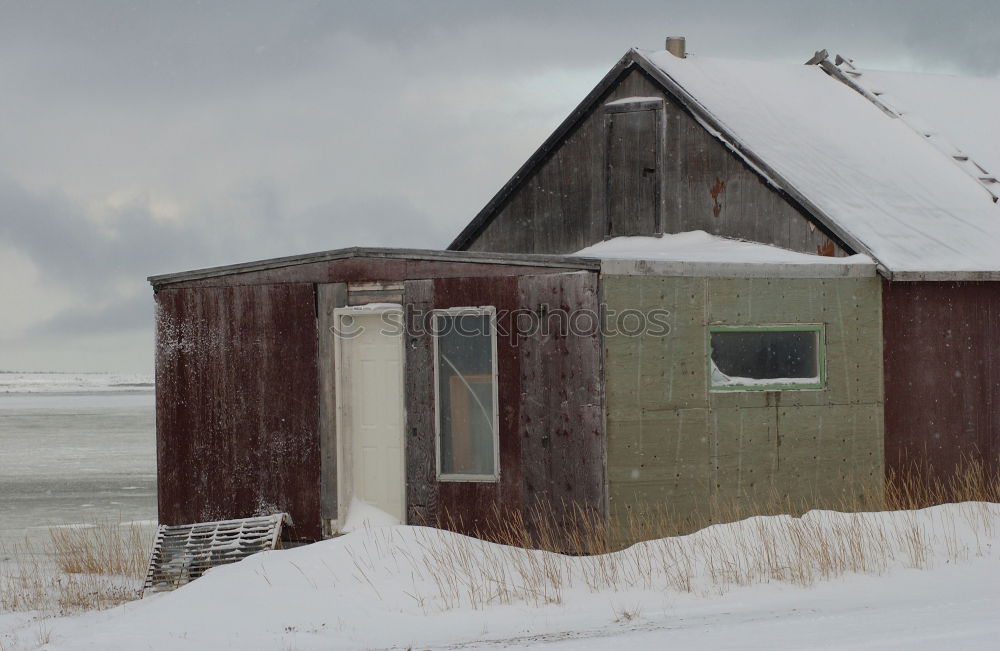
765 355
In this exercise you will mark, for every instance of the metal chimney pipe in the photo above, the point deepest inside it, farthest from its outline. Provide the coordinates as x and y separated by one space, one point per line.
675 45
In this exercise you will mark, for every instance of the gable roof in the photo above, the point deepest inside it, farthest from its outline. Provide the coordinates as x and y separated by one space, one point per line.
868 176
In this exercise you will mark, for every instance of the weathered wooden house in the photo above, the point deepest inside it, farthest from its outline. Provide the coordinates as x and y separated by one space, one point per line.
550 358
821 158
448 386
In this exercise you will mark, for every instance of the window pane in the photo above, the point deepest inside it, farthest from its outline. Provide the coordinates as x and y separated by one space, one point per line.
465 393
782 357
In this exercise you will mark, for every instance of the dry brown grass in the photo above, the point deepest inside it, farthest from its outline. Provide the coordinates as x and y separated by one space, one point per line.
106 549
580 531
469 572
86 568
858 536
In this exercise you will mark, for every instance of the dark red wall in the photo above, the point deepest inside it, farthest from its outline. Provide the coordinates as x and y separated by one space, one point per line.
552 445
238 399
942 375
237 408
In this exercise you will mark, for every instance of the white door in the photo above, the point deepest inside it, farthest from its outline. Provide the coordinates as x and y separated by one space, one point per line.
371 401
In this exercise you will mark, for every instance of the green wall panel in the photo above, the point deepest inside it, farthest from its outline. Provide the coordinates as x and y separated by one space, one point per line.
675 446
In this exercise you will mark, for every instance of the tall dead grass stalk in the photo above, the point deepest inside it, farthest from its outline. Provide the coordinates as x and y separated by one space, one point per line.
104 548
654 546
85 568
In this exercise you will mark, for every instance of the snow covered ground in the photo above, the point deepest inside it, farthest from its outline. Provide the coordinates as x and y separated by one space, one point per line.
916 580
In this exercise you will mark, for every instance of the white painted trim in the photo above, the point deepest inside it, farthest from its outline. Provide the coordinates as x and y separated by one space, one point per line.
344 491
477 311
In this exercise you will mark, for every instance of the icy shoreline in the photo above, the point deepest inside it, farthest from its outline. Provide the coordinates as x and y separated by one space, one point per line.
73 383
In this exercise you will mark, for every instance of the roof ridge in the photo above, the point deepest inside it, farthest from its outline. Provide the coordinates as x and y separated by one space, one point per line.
852 78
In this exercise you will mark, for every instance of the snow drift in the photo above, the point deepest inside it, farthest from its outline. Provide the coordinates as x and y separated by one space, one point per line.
898 578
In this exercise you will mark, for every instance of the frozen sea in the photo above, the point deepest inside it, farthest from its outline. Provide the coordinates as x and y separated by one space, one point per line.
74 449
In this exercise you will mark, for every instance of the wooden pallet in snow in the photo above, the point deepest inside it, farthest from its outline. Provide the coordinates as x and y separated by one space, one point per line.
182 553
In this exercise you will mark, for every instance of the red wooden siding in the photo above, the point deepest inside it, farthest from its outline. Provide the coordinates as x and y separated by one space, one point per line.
552 445
942 375
237 405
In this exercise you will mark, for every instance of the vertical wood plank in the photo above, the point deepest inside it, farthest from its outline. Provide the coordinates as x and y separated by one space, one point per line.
329 296
421 469
562 416
237 405
632 172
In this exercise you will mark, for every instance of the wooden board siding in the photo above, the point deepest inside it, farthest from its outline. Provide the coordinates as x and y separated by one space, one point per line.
674 445
562 413
551 423
633 171
560 208
942 376
363 269
418 391
237 405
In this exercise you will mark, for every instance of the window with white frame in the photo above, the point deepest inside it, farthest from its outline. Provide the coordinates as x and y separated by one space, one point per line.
766 357
465 372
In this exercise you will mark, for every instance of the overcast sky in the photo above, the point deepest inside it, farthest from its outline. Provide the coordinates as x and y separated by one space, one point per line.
139 138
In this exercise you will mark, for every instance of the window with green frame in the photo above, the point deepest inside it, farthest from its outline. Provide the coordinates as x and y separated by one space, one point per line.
766 357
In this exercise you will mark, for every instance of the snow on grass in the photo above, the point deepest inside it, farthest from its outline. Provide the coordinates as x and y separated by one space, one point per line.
81 567
927 578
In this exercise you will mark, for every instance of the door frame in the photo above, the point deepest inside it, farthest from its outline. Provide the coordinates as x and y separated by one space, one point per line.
344 492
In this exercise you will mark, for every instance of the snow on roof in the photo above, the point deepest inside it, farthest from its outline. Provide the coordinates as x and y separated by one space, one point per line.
633 100
699 246
875 176
700 253
956 114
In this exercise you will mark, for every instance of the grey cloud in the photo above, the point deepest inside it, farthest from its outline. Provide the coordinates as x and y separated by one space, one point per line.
174 51
120 314
283 128
106 263
73 250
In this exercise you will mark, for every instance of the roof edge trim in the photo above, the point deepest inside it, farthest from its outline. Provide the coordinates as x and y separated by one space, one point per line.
433 255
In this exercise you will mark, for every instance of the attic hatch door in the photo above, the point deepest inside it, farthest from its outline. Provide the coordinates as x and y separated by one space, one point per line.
370 464
632 169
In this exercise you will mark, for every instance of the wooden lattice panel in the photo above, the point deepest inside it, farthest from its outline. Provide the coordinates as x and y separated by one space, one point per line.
182 553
